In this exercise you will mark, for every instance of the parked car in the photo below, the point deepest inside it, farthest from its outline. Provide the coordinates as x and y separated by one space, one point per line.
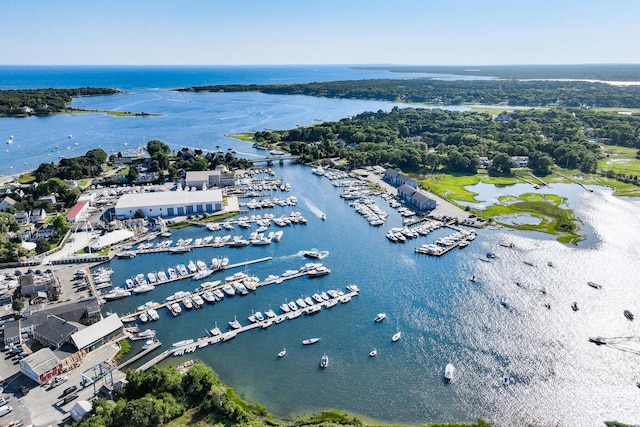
69 390
69 398
4 410
58 380
3 401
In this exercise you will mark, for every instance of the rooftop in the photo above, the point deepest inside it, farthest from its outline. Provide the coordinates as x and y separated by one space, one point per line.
138 200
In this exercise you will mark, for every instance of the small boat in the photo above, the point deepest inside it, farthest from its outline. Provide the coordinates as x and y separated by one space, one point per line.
282 353
234 323
506 244
148 344
449 371
473 278
594 285
628 314
574 306
551 264
396 336
490 255
380 317
182 343
505 380
373 353
312 254
310 341
598 340
503 302
324 361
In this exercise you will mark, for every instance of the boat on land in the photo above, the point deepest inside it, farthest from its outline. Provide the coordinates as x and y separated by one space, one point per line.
380 317
282 353
396 336
373 352
310 341
449 372
324 361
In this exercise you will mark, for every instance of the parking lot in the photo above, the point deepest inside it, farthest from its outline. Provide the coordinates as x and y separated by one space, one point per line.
44 405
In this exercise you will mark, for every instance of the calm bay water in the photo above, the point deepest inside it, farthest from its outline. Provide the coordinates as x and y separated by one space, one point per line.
558 377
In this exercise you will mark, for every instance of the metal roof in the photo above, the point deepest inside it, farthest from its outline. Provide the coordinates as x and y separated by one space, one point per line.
98 330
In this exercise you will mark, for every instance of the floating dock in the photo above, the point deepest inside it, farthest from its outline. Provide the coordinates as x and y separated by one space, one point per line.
226 336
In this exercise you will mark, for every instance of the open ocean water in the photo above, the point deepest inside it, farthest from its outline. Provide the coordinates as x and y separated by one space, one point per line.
557 376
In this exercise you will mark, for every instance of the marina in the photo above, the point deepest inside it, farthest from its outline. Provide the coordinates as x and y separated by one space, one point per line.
190 345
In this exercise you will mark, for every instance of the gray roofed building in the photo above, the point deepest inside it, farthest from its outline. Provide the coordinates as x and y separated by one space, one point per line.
391 175
6 203
98 333
416 198
403 179
41 365
54 332
169 203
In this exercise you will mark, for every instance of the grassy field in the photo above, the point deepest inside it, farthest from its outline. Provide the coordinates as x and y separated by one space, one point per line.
620 160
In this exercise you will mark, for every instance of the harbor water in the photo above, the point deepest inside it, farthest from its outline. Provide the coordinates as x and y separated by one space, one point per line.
515 320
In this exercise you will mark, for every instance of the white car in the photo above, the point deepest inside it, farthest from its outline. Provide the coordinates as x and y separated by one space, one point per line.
4 401
58 380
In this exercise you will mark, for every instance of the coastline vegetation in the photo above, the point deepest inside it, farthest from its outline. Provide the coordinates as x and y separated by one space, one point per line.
42 102
164 396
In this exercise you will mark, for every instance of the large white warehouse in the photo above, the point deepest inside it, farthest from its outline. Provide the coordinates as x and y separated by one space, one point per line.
169 203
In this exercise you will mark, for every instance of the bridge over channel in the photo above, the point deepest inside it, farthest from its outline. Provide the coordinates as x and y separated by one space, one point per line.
271 160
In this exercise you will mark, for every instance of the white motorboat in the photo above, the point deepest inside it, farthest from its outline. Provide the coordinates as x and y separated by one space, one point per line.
162 276
148 344
116 293
202 274
228 289
153 314
310 341
380 317
282 353
259 316
192 267
209 297
373 352
324 361
141 289
144 318
449 372
234 323
197 300
219 294
188 304
175 308
285 307
182 343
396 336
147 305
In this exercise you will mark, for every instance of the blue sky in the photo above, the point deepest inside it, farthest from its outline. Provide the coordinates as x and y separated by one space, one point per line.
217 32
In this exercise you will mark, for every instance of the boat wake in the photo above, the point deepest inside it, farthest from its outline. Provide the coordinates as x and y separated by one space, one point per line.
300 254
314 209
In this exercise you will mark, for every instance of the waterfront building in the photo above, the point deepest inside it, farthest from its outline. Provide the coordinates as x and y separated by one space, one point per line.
78 212
41 365
6 203
97 334
169 203
397 178
416 198
209 179
54 332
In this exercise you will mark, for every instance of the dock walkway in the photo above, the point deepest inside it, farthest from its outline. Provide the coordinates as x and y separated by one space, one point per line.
226 336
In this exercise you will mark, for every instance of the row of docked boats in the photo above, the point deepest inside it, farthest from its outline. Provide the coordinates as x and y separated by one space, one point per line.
460 239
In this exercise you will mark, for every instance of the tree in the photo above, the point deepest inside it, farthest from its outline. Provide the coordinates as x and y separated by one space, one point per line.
138 214
42 246
501 164
132 174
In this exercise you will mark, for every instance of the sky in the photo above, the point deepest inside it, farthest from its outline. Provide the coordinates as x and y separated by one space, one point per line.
248 32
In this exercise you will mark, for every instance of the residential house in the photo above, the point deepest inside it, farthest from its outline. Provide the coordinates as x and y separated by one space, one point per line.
45 231
521 161
22 218
6 203
38 215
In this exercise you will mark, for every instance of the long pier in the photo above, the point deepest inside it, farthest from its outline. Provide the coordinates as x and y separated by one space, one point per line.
226 336
132 316
140 355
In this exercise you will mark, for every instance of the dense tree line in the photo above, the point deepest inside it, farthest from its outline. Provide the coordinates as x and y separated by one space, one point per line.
86 166
457 92
605 72
429 140
27 102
